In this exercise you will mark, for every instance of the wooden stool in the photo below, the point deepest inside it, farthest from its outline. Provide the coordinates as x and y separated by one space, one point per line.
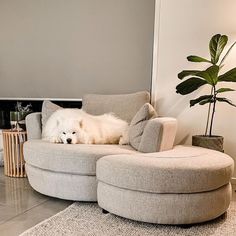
14 163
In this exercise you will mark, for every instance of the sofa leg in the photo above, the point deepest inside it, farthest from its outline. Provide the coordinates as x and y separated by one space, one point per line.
187 226
105 211
223 216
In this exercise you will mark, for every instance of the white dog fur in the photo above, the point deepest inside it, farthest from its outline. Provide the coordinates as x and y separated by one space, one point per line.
76 126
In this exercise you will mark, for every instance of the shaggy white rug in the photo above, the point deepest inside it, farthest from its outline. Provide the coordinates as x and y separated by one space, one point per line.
82 219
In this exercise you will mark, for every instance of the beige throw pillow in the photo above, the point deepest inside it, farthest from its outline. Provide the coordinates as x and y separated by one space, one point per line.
47 109
138 123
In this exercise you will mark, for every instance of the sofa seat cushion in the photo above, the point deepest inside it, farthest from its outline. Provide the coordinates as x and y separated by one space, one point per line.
74 159
180 170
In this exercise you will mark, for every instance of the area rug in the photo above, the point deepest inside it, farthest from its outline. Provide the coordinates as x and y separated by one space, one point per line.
82 219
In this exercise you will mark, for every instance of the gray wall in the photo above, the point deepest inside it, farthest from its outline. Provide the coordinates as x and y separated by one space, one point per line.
65 48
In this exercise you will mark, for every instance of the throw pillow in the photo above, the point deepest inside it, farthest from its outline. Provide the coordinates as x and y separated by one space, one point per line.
47 109
138 123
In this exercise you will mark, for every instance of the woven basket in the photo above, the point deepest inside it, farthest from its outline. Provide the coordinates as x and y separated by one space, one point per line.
14 163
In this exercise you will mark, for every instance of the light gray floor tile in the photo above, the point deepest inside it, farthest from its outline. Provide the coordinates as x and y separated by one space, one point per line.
1 174
6 213
21 199
14 182
21 207
20 223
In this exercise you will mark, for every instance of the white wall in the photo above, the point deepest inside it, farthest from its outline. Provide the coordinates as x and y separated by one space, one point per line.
185 28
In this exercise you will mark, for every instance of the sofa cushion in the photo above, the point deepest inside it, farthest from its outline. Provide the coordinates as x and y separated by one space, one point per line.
74 159
180 170
138 123
125 106
47 109
159 135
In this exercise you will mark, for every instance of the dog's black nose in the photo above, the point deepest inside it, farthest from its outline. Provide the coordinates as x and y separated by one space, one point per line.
69 140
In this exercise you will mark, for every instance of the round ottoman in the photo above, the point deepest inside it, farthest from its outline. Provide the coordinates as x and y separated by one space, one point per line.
185 185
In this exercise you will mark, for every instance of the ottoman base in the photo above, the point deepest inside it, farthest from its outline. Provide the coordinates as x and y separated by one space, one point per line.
63 185
164 208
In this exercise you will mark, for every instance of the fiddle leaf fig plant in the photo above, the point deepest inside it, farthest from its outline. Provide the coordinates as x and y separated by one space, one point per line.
194 79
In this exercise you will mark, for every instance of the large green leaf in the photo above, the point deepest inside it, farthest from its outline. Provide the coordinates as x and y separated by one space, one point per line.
222 90
213 72
216 46
229 76
190 85
225 100
193 58
200 99
186 73
210 74
209 100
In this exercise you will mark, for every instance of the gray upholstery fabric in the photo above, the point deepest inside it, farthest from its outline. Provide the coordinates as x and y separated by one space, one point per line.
164 208
138 123
174 171
34 125
66 158
47 109
124 106
158 135
61 185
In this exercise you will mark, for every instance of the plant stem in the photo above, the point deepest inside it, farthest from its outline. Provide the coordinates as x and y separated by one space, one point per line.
227 53
208 114
213 111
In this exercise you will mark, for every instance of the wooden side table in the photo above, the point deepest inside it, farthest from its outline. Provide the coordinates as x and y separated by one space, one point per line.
14 163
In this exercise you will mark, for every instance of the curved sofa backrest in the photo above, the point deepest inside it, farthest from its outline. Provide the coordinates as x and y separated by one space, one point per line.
125 106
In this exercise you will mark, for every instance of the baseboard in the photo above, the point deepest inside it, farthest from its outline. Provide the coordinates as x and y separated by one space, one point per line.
233 180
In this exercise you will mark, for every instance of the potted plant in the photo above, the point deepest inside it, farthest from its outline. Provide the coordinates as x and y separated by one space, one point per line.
17 118
194 79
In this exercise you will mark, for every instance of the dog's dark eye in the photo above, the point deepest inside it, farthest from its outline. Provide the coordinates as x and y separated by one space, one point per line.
64 133
73 133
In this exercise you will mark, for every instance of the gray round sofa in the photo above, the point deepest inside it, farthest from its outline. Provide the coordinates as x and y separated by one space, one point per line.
180 185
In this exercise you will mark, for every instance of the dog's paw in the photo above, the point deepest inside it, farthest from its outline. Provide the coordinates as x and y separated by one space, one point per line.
88 141
123 141
55 140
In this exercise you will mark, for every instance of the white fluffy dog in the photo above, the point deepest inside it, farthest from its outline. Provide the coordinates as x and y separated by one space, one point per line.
76 126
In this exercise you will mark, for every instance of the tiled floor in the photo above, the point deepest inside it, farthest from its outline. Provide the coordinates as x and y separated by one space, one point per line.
21 207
